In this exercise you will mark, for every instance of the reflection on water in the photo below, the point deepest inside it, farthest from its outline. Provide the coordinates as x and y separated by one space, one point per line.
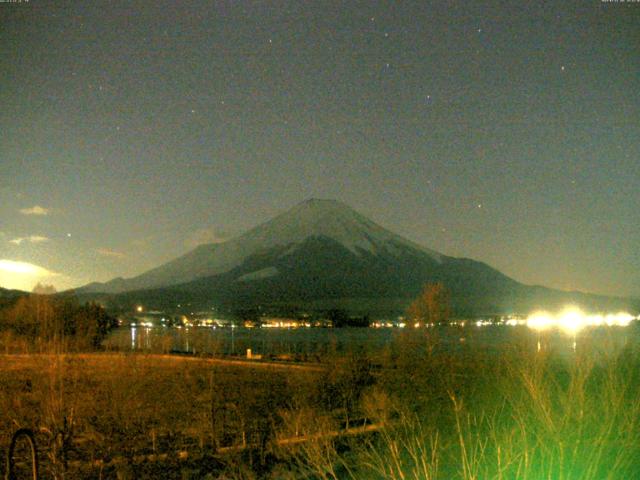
321 341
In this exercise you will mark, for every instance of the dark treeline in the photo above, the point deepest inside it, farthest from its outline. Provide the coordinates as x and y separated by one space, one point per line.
44 322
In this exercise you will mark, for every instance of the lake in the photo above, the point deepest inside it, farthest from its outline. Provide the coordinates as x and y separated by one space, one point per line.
317 342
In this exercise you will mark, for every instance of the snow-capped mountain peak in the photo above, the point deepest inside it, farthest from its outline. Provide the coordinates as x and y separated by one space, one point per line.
327 218
312 218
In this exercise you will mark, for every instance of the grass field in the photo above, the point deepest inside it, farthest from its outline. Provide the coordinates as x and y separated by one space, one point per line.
412 410
107 406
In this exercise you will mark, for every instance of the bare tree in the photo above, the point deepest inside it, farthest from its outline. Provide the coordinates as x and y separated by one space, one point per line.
431 306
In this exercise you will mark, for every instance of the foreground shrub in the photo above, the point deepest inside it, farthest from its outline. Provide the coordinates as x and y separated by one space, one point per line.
520 414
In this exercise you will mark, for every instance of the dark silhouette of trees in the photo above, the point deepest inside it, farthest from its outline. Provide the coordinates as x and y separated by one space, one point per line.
431 306
338 317
59 321
41 289
341 318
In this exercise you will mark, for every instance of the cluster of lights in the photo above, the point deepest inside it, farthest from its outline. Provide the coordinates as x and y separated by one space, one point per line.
142 324
401 324
483 323
287 324
572 320
383 325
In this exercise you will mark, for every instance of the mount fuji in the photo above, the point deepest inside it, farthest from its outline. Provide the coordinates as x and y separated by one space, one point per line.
323 254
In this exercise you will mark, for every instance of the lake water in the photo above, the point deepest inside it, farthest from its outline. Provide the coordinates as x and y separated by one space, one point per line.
313 343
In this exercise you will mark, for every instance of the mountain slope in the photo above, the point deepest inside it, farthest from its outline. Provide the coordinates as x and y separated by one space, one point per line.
320 273
7 297
5 293
323 254
326 218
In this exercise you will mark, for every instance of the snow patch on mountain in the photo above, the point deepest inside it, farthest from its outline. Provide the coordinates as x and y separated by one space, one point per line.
258 274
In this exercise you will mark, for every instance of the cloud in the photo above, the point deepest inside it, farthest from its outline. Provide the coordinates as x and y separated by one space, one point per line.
203 236
106 252
30 239
35 210
24 275
24 268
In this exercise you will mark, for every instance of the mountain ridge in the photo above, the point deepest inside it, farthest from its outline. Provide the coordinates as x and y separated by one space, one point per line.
322 252
313 217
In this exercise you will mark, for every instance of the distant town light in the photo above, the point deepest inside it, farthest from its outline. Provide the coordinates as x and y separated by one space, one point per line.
540 321
572 320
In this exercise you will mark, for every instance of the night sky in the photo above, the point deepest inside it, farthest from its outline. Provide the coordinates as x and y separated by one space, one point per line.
508 132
